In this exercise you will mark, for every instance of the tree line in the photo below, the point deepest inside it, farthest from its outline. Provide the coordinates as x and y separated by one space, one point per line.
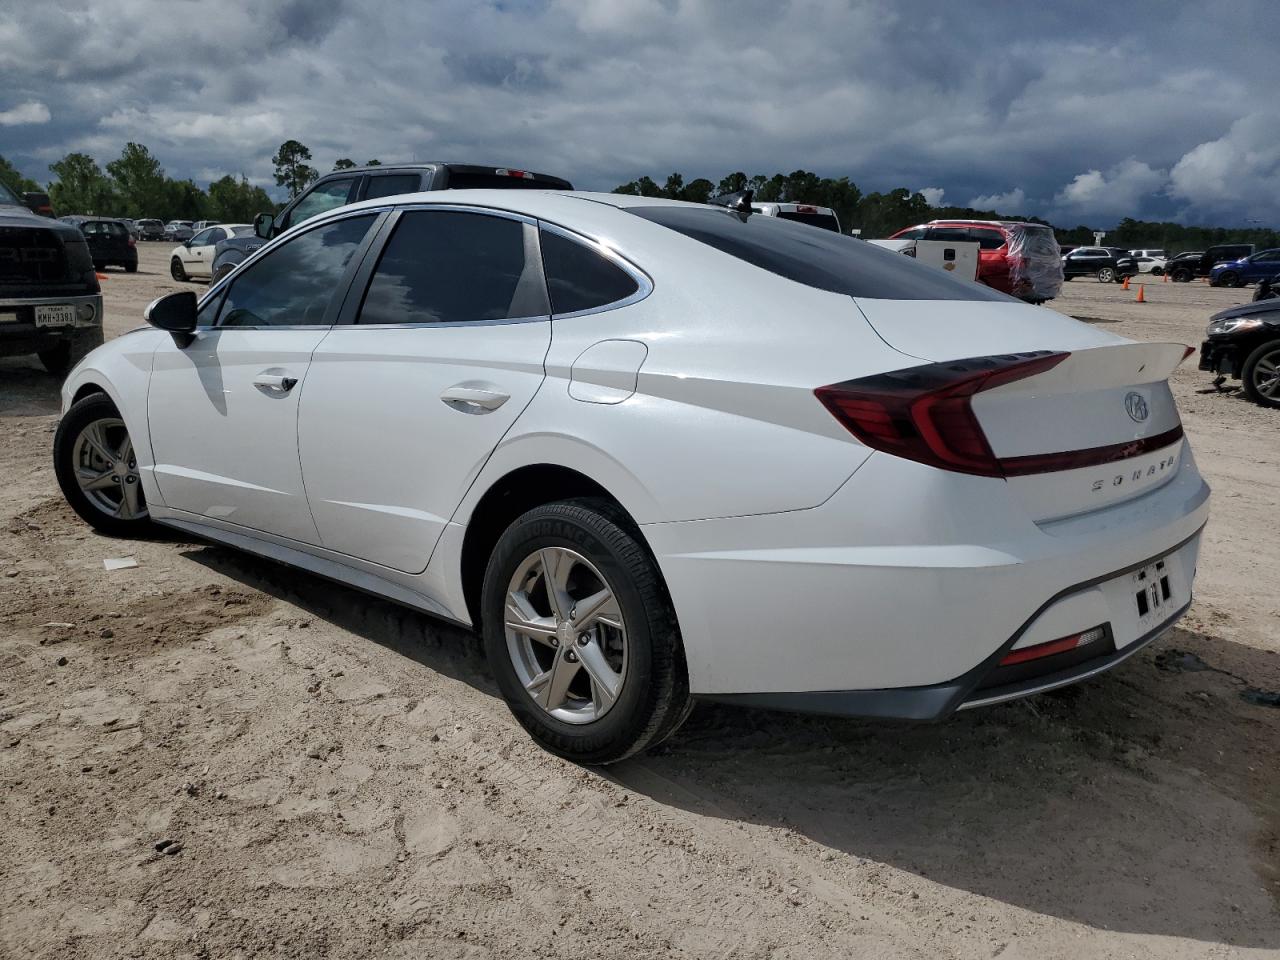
880 214
134 185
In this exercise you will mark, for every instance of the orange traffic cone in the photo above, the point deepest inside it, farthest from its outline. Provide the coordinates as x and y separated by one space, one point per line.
1125 285
1141 296
1165 277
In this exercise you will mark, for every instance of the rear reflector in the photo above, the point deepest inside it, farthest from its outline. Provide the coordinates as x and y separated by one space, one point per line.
1073 642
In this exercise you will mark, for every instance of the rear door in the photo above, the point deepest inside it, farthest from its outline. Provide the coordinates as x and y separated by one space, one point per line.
223 411
404 404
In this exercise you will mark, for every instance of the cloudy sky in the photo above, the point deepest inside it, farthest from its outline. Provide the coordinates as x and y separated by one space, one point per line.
1081 112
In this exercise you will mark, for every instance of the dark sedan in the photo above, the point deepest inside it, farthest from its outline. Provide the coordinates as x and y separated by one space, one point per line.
110 244
1244 343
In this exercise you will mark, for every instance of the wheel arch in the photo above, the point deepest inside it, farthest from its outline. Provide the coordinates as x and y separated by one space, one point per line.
511 495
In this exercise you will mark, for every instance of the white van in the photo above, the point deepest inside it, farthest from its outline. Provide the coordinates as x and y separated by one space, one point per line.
823 217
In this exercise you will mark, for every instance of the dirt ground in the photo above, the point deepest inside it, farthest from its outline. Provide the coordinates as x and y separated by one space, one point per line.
333 776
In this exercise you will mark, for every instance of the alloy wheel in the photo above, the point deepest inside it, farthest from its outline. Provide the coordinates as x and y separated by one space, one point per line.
1266 375
106 469
565 635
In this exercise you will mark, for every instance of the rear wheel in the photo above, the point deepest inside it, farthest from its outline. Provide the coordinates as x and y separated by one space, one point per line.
1106 275
176 270
1181 275
97 469
1261 375
131 267
581 635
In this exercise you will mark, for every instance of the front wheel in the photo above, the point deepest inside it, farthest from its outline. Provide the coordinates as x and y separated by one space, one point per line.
176 270
1261 375
97 469
1228 278
1106 275
1181 275
581 635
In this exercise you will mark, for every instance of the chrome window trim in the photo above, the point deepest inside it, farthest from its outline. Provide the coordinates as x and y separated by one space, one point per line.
644 285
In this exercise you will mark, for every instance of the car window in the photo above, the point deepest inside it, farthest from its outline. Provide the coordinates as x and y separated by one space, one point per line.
293 284
579 278
1268 256
445 266
915 233
949 234
326 196
988 239
388 185
201 238
215 235
816 258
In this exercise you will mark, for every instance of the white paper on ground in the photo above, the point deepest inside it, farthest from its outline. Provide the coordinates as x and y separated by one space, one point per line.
119 563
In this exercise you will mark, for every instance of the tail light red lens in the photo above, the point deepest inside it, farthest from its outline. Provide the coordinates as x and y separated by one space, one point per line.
924 413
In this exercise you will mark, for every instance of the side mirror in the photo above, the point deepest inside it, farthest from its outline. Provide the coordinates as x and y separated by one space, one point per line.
175 312
262 225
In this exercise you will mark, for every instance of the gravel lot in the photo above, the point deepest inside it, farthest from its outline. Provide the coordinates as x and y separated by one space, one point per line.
213 756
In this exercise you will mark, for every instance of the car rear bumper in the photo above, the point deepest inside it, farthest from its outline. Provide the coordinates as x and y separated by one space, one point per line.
945 581
19 334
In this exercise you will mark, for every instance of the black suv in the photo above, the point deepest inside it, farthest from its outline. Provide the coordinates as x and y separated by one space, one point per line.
341 187
1108 264
1244 342
110 244
1187 266
50 301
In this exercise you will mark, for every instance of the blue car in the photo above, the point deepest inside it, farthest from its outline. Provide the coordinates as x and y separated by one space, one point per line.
1236 273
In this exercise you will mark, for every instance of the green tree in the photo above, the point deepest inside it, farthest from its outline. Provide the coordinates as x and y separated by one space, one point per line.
14 180
81 186
236 201
185 201
343 163
139 181
292 169
732 184
373 163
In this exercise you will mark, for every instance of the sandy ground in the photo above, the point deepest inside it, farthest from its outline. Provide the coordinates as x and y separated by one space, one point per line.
333 776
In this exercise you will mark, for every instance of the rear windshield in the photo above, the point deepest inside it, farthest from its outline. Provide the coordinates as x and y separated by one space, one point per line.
459 180
816 258
826 221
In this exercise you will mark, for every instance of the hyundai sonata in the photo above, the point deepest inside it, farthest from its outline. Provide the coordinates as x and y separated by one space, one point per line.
657 451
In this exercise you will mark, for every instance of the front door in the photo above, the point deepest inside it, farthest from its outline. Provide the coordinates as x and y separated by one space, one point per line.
404 405
223 411
197 255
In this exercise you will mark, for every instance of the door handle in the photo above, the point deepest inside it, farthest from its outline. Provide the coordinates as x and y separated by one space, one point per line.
472 398
275 382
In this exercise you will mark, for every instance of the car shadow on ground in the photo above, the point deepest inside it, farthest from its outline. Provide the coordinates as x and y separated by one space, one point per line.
1145 801
27 389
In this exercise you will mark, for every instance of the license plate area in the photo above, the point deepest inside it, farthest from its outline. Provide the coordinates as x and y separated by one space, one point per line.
1153 592
55 315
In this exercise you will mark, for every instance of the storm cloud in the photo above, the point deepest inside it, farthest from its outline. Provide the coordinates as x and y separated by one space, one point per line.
1081 113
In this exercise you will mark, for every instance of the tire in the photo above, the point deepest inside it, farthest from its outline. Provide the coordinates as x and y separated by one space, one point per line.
60 359
90 433
176 270
1228 278
99 266
131 268
1157 271
596 549
1181 275
1106 275
222 271
1260 375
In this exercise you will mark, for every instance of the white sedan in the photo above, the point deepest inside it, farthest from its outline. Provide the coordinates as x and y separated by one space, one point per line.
194 258
1152 265
657 451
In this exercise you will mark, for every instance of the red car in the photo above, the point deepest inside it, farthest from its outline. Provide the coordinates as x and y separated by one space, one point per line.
1018 258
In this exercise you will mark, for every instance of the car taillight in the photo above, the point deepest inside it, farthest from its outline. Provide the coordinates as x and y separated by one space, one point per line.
1073 642
924 413
518 174
133 242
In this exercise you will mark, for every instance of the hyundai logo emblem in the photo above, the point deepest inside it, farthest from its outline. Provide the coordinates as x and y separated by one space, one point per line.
1136 405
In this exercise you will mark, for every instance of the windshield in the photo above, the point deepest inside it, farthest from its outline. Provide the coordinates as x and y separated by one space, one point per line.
9 197
816 258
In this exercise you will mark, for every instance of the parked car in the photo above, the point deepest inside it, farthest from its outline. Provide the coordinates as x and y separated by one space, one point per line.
377 397
367 183
1244 343
38 201
132 227
1237 273
110 244
204 224
194 258
1107 264
150 229
1185 267
341 187
178 230
823 217
50 301
1267 289
1156 252
1148 264
1014 257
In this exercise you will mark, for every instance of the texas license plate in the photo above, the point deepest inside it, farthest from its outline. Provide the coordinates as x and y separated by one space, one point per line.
1153 592
55 315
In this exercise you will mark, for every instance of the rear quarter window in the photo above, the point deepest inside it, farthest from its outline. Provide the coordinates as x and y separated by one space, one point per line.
579 278
816 258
